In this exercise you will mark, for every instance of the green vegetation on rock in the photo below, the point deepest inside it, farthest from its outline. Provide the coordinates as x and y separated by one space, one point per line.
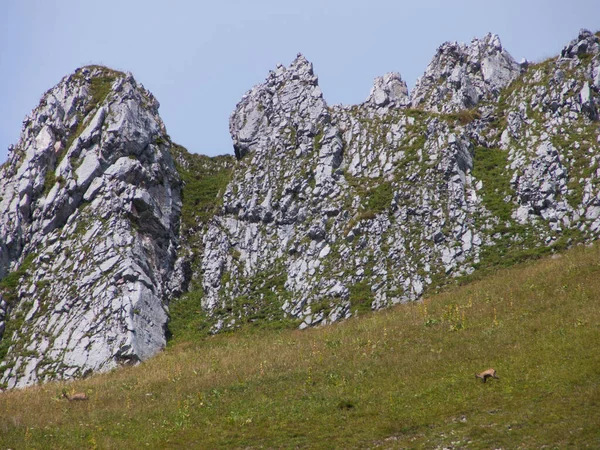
489 166
9 286
261 304
376 197
380 197
100 85
11 282
361 297
187 319
204 179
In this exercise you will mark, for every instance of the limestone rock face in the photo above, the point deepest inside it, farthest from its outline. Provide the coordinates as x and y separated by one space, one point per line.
330 210
551 138
586 43
89 216
336 210
389 89
460 76
282 130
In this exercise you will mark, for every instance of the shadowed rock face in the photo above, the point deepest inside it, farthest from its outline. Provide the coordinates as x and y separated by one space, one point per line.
90 205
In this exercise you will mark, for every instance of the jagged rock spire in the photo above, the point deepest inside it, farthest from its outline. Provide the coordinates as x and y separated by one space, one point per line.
586 43
285 92
460 76
390 90
89 213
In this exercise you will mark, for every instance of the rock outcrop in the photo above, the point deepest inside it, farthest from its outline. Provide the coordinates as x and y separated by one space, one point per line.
336 210
332 210
89 207
461 76
390 90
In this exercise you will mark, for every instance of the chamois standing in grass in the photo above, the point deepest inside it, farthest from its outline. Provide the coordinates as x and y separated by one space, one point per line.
75 397
490 373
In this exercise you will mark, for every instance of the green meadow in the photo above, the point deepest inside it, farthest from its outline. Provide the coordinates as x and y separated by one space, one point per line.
399 378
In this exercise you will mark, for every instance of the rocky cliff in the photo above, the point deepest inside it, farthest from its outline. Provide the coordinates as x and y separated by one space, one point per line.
333 210
326 212
90 206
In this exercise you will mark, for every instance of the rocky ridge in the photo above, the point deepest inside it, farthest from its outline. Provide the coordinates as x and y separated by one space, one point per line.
90 205
335 210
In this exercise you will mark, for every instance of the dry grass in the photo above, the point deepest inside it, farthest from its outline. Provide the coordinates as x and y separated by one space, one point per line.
395 379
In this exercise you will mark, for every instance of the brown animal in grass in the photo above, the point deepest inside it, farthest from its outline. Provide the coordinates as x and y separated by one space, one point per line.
490 373
75 397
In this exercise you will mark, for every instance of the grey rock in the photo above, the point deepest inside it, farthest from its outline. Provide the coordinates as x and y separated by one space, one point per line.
77 225
585 43
587 101
314 171
460 76
87 170
389 89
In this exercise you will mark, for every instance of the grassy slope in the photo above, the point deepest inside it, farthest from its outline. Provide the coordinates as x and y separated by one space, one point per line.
395 379
205 179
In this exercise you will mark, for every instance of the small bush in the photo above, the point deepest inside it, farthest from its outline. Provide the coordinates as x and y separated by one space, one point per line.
361 297
466 116
10 283
380 197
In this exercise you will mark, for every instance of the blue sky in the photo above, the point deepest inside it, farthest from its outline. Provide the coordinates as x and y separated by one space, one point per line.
199 57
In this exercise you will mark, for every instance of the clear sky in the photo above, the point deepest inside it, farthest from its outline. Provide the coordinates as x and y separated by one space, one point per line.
200 57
